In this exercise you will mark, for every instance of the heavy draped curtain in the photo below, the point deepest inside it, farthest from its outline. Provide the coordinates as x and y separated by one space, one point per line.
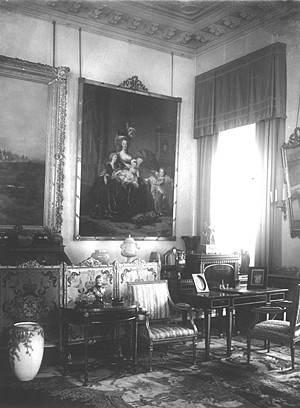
247 90
251 89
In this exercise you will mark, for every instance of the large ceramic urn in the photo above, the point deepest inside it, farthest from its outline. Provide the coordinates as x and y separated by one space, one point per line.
26 349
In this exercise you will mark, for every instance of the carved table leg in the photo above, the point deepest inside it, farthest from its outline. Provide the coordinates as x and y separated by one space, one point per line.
86 345
135 332
65 346
229 329
207 318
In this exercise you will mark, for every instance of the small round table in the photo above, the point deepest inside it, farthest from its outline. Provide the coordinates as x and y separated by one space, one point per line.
90 315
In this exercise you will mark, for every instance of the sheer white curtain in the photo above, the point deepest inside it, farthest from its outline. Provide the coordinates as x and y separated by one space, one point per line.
235 189
270 137
207 146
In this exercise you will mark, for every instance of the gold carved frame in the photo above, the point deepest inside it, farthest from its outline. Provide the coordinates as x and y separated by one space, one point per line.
55 81
291 167
130 90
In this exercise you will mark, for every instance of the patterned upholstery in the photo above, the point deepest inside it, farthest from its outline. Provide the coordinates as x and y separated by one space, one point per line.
275 330
160 319
162 332
154 298
81 279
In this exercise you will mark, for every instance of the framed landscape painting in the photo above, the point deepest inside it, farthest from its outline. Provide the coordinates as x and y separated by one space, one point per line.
126 165
32 123
22 152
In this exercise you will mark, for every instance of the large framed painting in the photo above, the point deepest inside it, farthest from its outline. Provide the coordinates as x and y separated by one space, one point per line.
127 160
32 122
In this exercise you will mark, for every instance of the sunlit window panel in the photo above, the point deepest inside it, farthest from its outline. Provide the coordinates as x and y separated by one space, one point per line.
235 187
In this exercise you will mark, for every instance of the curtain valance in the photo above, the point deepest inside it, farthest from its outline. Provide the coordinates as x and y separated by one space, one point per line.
244 91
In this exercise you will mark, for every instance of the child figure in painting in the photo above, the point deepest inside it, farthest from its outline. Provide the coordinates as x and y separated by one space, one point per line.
159 182
131 174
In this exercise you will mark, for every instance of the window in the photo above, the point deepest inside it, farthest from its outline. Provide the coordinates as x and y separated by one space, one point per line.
234 188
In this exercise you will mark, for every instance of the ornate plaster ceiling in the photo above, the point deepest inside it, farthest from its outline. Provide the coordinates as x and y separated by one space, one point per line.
188 28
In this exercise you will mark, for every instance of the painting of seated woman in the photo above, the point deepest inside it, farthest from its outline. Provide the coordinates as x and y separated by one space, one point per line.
125 187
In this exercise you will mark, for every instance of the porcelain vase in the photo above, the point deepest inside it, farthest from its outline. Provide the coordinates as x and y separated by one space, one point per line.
26 349
101 256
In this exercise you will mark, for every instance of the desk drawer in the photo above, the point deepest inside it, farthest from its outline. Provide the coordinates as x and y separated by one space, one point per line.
86 317
217 303
113 316
276 296
249 300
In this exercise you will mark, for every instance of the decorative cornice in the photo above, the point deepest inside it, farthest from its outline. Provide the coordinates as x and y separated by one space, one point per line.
185 29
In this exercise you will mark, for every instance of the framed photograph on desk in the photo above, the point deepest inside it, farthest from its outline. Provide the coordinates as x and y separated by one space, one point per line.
257 278
200 282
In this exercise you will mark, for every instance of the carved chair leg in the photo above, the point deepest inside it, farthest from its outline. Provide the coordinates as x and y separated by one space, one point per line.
219 320
195 351
200 327
267 345
248 348
150 357
293 355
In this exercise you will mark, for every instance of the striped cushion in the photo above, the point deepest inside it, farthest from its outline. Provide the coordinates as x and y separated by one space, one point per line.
271 328
161 332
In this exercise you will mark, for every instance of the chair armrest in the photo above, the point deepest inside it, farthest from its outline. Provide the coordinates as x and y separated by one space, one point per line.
142 314
284 304
269 309
188 314
142 311
265 310
183 306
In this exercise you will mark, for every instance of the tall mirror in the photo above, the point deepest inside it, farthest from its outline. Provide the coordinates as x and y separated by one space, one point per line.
32 123
291 164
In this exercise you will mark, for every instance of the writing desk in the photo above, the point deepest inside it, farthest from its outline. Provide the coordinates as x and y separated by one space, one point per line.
91 315
229 299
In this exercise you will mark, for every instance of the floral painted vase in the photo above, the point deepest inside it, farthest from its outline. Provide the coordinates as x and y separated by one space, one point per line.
26 349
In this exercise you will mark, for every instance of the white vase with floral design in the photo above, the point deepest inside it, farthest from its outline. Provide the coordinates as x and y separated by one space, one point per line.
26 349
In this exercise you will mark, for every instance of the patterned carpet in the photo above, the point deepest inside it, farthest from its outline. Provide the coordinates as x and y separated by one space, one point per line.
55 392
174 382
221 382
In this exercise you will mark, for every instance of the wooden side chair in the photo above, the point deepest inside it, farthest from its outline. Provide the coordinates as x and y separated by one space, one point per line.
277 331
161 320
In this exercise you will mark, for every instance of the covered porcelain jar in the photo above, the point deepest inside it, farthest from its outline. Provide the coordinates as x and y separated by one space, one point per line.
129 247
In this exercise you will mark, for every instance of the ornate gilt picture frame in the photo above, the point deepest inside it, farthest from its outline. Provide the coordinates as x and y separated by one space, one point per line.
126 165
33 114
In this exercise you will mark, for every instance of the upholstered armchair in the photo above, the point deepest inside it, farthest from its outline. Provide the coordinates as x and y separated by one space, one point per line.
161 321
274 330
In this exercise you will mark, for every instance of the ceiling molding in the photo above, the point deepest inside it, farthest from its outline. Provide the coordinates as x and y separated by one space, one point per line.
186 28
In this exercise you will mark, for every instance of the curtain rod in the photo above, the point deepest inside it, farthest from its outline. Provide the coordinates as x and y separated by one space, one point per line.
298 112
79 52
53 39
172 72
